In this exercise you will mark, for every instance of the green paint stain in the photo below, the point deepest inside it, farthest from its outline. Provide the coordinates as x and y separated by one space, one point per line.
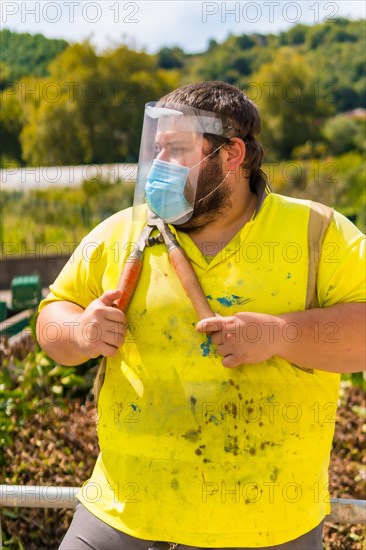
174 484
192 436
274 474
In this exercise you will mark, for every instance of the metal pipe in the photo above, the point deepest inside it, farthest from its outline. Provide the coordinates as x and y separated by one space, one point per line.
347 510
343 510
33 496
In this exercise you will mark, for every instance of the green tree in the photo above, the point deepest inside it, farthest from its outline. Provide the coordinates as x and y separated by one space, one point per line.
10 127
232 61
336 51
290 105
4 75
170 58
294 36
343 133
26 54
87 107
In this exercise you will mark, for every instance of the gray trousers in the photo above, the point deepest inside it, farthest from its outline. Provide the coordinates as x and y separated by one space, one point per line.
87 532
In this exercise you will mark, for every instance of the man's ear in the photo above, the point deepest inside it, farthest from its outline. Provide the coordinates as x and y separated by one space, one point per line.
235 153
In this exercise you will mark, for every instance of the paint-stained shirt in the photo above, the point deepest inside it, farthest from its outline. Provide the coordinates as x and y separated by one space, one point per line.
191 451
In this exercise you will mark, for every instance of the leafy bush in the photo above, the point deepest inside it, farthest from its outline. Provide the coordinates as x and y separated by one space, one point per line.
335 181
28 378
344 134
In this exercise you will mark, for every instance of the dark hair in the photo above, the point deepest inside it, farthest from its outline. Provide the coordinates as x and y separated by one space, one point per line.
227 100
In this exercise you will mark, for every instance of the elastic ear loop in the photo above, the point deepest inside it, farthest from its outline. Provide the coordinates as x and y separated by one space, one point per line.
213 190
221 182
207 156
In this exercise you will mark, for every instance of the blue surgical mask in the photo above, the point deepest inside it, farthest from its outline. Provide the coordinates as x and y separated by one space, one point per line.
165 191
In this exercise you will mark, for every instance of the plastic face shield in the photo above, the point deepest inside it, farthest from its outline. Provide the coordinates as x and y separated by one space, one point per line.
173 138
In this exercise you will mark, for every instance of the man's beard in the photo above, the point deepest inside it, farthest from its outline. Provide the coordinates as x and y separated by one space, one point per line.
211 200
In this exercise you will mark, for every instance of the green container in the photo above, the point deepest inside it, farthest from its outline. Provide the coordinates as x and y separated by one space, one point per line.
3 311
26 292
14 324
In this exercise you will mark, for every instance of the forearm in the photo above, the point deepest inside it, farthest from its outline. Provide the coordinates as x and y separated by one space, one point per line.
56 332
71 335
330 339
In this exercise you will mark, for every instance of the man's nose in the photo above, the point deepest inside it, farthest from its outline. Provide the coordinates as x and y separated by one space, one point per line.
163 155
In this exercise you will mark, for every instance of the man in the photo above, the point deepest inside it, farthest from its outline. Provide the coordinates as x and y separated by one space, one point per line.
214 433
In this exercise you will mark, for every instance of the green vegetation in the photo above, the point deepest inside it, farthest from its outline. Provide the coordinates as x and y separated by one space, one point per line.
25 54
88 109
70 105
53 221
334 50
47 434
32 377
336 181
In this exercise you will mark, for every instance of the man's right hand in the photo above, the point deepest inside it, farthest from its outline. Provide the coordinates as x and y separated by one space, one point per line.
101 327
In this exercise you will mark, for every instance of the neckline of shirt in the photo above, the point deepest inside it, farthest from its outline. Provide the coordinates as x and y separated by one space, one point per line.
197 257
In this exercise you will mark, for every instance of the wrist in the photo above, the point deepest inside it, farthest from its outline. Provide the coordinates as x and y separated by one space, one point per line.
80 341
288 334
279 342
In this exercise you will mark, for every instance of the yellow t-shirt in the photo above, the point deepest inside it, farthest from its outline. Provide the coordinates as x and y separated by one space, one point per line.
193 452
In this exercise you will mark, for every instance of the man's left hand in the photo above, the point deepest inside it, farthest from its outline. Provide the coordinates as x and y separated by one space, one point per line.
244 338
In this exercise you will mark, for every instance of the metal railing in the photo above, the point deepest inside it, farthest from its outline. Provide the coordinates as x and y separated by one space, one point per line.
37 496
343 510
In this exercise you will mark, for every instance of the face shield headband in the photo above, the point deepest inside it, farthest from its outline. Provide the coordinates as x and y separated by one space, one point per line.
171 152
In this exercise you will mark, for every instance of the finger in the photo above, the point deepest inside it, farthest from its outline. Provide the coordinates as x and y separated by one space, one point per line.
113 339
108 350
223 349
115 315
115 335
229 361
209 325
116 328
110 296
218 337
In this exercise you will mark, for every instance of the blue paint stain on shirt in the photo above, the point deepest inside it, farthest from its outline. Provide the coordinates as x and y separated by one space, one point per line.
214 420
206 346
228 301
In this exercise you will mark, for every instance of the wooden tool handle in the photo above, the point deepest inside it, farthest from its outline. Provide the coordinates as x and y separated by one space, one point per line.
128 282
190 282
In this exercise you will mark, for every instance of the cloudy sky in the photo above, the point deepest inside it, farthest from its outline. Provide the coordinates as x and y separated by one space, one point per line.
151 25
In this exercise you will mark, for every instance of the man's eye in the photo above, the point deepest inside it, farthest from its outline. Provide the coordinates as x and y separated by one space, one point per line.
179 150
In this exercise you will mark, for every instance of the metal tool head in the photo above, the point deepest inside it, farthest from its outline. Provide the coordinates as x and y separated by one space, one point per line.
166 234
